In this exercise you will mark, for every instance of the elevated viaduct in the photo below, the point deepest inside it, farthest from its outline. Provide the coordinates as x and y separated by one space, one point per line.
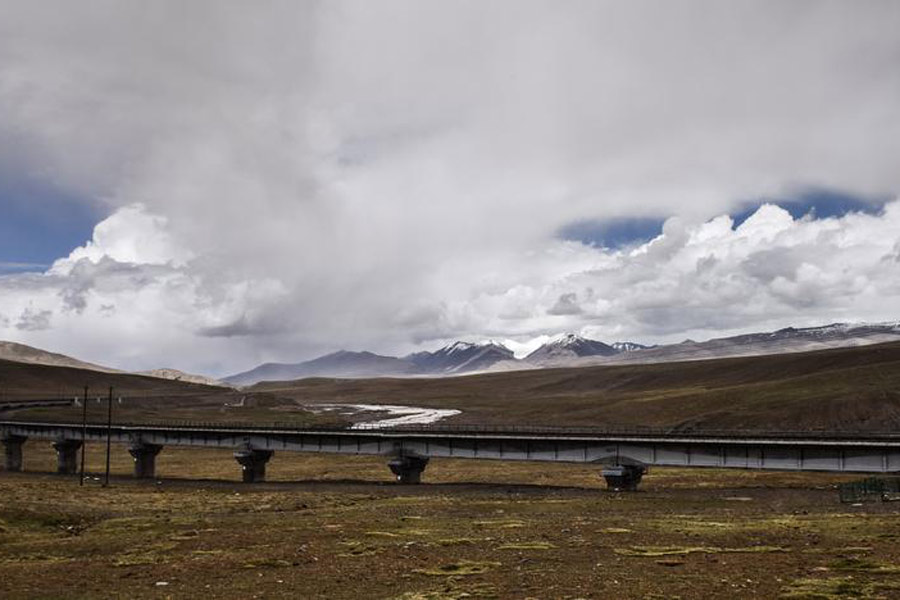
623 456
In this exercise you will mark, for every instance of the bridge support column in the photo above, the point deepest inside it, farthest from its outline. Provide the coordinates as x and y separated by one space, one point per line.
66 456
12 445
253 463
624 478
144 459
408 469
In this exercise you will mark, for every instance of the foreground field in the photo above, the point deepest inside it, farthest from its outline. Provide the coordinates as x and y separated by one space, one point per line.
337 527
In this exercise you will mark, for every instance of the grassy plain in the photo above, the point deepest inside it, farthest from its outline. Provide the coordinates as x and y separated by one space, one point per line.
847 389
338 527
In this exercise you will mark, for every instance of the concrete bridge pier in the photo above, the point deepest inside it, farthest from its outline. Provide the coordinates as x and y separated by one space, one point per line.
408 469
253 463
66 456
144 455
624 478
12 445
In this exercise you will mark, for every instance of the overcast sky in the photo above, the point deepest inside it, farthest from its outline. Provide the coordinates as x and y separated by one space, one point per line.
210 185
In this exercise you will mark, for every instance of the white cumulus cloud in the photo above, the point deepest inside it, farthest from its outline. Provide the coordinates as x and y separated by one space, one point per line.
283 179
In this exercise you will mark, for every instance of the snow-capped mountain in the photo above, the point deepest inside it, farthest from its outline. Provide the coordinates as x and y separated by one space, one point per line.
569 345
570 350
461 357
455 359
782 341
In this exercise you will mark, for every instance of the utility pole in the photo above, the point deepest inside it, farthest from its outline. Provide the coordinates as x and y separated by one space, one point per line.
108 435
83 431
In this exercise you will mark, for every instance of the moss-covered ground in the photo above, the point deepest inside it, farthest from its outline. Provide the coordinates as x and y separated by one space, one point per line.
338 527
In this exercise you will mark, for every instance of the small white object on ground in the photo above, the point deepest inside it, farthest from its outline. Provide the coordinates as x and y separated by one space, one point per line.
398 415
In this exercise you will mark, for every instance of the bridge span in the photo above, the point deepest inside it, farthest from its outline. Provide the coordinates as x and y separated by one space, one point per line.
623 456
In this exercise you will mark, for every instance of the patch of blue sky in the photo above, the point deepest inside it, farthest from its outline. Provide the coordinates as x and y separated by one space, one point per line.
612 233
39 224
819 203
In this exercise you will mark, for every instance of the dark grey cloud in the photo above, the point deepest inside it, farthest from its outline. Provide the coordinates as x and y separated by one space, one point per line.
34 320
236 328
244 327
566 304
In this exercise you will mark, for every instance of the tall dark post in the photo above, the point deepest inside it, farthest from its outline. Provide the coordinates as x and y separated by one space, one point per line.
108 436
83 432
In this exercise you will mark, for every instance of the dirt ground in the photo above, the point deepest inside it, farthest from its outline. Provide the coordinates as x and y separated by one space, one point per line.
338 527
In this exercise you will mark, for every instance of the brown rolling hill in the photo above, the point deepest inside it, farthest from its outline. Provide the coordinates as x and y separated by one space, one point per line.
143 398
27 354
23 380
846 389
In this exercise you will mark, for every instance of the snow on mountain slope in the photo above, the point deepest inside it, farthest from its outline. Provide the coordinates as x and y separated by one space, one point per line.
461 357
569 345
568 349
787 340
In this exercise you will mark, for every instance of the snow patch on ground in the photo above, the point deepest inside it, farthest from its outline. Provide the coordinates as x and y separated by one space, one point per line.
397 414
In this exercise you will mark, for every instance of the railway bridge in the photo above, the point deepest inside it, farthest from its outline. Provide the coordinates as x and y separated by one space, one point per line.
623 456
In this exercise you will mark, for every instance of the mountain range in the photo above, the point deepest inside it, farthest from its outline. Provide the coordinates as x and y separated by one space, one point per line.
568 350
460 358
455 359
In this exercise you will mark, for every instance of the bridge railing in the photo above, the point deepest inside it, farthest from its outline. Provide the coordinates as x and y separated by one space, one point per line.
488 429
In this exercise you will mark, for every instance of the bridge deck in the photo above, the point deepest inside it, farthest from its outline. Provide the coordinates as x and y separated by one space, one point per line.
873 453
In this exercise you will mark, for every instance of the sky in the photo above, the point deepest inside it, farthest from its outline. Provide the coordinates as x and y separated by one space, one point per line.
215 184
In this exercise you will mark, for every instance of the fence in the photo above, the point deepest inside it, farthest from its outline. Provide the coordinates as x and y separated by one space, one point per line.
870 490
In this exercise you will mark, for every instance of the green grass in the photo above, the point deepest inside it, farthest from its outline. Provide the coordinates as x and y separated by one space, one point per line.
460 569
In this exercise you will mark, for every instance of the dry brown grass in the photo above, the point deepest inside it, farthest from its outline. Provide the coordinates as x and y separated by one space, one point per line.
849 389
337 527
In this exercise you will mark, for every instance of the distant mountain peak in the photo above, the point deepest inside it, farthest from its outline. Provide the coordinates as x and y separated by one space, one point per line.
570 345
461 346
458 347
343 363
461 357
567 338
